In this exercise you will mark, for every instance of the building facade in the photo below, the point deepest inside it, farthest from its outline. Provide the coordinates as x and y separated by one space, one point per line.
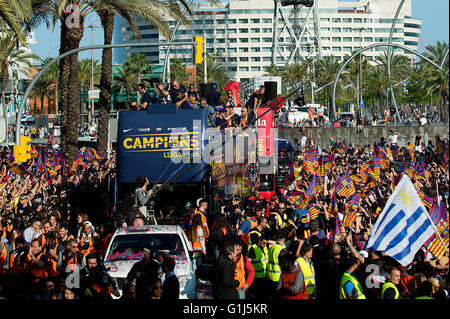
241 32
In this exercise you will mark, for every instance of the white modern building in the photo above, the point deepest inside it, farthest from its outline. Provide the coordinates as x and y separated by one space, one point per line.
242 31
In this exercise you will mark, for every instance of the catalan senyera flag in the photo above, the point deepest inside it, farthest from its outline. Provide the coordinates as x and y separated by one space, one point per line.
439 216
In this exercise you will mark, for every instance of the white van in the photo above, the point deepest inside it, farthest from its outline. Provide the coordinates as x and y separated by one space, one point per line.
300 113
126 248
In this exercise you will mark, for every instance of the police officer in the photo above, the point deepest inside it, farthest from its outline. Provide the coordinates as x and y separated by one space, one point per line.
389 289
350 288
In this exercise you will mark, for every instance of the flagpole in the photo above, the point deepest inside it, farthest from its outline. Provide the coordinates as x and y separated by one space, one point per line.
437 193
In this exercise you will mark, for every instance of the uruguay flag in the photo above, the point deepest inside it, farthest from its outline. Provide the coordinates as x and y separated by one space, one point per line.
362 104
403 226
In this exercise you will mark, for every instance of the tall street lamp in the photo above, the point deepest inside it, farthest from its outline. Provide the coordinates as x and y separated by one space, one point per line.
92 27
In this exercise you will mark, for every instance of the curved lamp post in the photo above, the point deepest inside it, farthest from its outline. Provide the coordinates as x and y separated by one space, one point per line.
333 100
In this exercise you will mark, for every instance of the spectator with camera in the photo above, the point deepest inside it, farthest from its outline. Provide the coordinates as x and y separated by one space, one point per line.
70 258
95 280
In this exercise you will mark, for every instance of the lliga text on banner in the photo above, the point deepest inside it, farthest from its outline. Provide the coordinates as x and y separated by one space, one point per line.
403 226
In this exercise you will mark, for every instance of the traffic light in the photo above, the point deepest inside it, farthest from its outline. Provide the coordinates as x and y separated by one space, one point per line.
22 153
198 51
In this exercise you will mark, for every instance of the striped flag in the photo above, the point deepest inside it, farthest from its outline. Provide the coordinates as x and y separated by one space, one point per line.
439 216
403 226
312 187
426 200
337 234
314 210
376 166
338 186
311 162
351 209
348 188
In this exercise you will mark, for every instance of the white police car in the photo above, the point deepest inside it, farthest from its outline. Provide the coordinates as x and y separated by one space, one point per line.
126 248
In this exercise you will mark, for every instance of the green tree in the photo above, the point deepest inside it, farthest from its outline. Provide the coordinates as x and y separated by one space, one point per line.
327 68
178 70
125 79
216 72
13 14
13 57
435 80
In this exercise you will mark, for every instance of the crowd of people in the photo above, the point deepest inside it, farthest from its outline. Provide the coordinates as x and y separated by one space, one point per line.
308 241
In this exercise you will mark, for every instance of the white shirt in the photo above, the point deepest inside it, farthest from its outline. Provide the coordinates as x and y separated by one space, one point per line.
303 141
28 234
423 121
393 138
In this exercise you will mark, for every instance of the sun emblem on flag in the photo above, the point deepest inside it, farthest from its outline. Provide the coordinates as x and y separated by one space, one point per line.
406 198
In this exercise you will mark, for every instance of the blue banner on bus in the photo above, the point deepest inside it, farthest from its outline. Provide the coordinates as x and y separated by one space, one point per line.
152 145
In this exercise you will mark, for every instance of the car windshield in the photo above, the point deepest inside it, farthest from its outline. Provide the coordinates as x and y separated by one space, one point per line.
130 246
301 109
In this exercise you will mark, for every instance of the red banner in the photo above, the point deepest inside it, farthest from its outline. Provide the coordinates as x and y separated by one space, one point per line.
265 132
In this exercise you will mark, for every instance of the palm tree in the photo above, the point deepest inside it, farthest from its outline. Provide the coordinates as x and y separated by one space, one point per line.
140 64
377 78
178 70
294 73
125 79
273 70
353 72
42 89
12 58
435 80
13 13
152 11
327 68
216 71
84 74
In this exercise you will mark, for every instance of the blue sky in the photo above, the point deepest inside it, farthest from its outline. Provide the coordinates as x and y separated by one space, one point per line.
433 13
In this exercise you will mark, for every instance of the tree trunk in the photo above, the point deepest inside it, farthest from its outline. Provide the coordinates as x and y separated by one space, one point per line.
72 38
107 19
62 87
4 82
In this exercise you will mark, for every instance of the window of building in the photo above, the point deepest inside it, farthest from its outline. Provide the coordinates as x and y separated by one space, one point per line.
367 20
220 40
255 68
369 39
209 21
232 31
324 29
232 59
411 34
412 25
255 40
411 43
336 20
255 20
346 29
347 39
220 31
267 49
279 59
243 49
336 39
232 40
336 29
266 39
325 38
198 22
347 20
324 19
255 30
243 68
266 20
222 59
231 20
336 49
357 20
267 59
232 50
368 30
210 50
255 59
220 50
243 30
267 30
220 21
243 59
356 39
209 40
326 48
243 20
243 40
347 49
257 49
232 69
